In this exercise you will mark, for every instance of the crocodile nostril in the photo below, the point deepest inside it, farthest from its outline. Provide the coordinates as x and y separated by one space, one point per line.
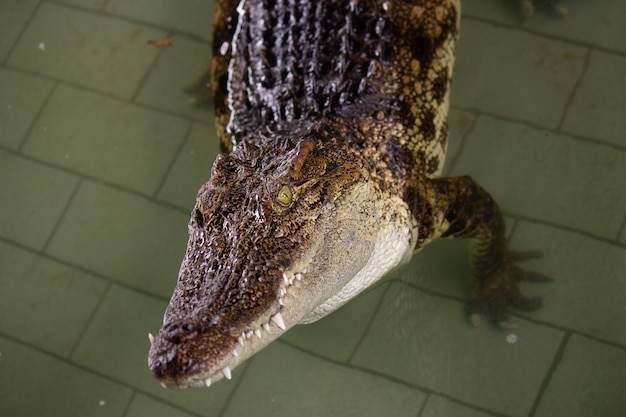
178 332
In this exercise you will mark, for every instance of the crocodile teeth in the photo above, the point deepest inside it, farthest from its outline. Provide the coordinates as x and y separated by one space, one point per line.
299 276
237 349
266 326
226 372
257 332
151 338
278 319
207 382
285 279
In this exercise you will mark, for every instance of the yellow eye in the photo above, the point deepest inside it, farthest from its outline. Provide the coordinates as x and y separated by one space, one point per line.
284 195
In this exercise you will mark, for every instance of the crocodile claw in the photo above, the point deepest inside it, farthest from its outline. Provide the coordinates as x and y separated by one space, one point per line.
499 292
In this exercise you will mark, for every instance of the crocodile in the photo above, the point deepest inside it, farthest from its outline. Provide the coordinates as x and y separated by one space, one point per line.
332 121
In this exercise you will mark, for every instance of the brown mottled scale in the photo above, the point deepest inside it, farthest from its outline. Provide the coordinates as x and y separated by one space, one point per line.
374 74
332 119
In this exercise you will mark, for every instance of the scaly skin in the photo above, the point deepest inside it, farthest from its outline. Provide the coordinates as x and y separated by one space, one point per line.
332 120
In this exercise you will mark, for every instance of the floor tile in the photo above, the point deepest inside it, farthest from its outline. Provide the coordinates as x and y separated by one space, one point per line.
589 381
106 138
45 303
13 16
540 175
531 78
192 167
143 406
440 407
116 344
439 350
124 237
507 12
305 386
21 98
32 201
588 289
336 336
602 19
87 4
597 109
177 69
460 123
188 16
87 49
34 384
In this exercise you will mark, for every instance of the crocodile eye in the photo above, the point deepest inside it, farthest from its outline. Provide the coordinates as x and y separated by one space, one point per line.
284 195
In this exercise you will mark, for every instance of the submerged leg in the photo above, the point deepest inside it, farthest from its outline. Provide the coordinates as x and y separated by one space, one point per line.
461 208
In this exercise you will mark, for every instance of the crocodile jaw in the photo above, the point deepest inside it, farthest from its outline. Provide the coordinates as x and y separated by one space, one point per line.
253 269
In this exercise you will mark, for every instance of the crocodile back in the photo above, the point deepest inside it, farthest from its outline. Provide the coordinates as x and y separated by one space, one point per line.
377 69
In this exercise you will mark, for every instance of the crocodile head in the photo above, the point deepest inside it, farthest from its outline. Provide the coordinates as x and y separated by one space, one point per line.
276 235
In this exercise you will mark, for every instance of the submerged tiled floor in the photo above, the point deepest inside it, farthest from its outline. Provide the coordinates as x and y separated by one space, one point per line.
100 158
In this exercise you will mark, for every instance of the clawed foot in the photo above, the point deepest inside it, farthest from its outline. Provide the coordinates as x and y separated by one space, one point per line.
495 294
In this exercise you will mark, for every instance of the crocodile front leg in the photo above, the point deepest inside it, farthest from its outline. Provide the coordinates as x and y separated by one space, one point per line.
462 208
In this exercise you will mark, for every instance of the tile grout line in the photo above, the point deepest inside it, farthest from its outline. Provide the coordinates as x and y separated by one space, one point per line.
519 315
238 383
151 25
92 315
105 94
83 368
19 36
533 125
389 378
583 233
63 214
128 404
144 79
449 167
97 180
177 153
31 128
424 404
574 92
80 268
558 356
370 323
548 36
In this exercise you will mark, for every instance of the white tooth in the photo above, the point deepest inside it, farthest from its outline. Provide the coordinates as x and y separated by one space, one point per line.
257 332
249 334
291 281
241 339
207 382
285 279
299 277
283 292
151 338
237 349
280 301
266 326
226 372
278 319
